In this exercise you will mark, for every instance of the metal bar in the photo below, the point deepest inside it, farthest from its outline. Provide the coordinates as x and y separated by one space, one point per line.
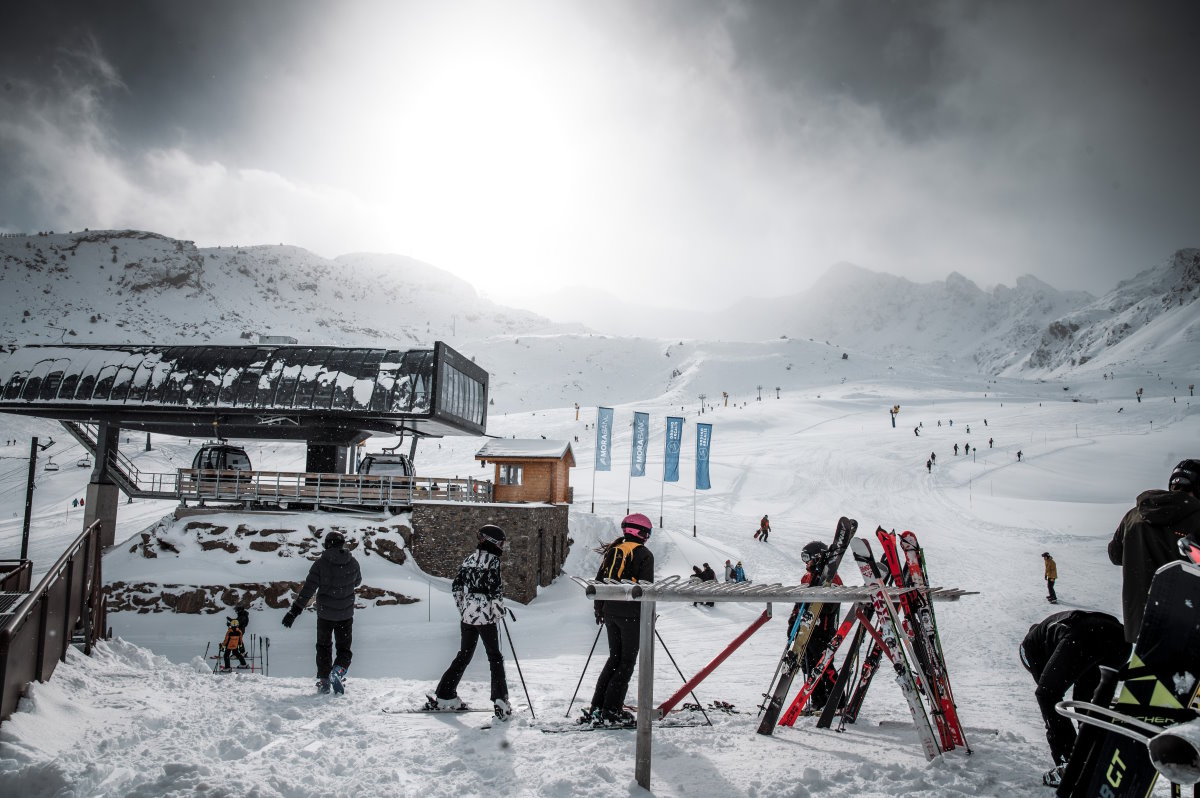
667 590
645 695
670 703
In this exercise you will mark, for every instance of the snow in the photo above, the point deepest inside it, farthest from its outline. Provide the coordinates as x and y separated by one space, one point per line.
145 717
510 447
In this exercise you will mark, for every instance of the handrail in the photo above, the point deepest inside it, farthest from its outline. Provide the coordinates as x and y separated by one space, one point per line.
15 575
68 599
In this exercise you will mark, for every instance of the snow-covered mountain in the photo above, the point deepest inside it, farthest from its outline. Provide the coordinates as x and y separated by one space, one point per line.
114 286
130 286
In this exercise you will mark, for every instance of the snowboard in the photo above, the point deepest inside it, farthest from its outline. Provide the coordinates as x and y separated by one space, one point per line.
1160 684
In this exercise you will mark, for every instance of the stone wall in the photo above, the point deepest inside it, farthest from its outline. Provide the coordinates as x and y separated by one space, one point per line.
537 541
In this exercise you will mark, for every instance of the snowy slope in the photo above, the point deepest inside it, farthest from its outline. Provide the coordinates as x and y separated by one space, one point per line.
824 448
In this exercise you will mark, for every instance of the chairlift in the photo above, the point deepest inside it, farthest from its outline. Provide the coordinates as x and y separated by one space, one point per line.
84 462
51 465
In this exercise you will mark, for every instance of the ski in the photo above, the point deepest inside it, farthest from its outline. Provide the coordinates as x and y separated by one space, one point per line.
423 711
817 673
1158 687
806 620
839 696
889 640
926 626
857 695
586 727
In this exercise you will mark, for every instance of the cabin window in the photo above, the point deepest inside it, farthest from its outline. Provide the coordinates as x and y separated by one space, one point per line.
510 475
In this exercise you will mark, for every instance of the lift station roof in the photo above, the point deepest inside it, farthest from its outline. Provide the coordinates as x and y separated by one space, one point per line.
328 394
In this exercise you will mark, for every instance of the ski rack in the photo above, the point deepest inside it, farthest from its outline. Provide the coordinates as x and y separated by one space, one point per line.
676 589
673 588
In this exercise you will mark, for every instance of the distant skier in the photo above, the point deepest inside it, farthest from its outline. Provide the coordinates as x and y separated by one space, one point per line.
967 449
332 579
1148 538
929 466
739 573
916 432
1018 455
956 450
1051 576
479 593
728 571
625 558
764 529
1068 648
989 443
933 457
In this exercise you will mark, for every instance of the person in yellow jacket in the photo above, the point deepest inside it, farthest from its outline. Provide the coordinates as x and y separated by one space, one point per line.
1051 575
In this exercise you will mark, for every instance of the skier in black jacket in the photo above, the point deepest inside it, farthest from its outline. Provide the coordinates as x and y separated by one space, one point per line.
1068 648
628 559
332 579
1148 538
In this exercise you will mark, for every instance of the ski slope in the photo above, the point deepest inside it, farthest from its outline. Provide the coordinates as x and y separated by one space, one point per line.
146 717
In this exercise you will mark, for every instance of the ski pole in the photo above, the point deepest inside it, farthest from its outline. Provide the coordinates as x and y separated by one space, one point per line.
599 629
514 653
662 643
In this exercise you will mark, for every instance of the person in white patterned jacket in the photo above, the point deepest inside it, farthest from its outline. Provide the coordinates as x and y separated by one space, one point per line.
479 592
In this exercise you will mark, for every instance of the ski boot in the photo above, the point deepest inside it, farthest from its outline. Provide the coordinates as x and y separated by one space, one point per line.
502 709
323 686
337 678
587 716
615 718
435 704
1053 777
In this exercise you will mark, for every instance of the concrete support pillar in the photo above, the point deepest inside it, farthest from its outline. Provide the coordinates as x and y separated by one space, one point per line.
102 496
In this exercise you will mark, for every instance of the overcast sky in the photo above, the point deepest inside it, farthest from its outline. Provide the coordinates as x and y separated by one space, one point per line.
651 148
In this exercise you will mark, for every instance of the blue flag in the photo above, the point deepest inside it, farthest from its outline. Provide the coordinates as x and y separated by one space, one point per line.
604 419
703 444
674 441
641 441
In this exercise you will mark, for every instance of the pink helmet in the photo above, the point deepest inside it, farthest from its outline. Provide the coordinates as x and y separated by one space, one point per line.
637 525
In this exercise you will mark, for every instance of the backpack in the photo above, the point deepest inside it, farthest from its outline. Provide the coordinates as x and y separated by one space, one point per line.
612 565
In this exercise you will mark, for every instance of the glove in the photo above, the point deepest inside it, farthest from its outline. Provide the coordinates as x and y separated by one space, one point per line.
290 618
599 617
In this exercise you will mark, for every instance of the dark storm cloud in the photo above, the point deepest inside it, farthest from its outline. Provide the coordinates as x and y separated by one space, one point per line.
993 139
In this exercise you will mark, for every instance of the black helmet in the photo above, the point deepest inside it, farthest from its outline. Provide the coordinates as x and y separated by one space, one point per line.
1186 476
816 550
335 540
490 533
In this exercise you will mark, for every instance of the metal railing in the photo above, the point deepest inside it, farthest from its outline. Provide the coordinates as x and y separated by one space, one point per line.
15 576
283 488
67 604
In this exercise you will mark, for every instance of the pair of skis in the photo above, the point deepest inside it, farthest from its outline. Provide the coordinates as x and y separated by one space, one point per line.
802 629
909 641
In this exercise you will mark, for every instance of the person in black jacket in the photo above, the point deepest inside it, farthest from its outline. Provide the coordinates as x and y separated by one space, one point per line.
479 593
1148 538
332 579
1068 648
628 559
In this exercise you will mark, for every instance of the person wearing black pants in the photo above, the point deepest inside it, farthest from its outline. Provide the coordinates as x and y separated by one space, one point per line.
1065 649
626 559
332 580
479 593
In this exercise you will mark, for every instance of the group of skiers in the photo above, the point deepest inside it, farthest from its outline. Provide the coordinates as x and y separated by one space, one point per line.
1068 648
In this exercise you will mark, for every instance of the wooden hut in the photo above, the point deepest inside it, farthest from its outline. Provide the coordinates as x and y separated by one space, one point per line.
529 470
